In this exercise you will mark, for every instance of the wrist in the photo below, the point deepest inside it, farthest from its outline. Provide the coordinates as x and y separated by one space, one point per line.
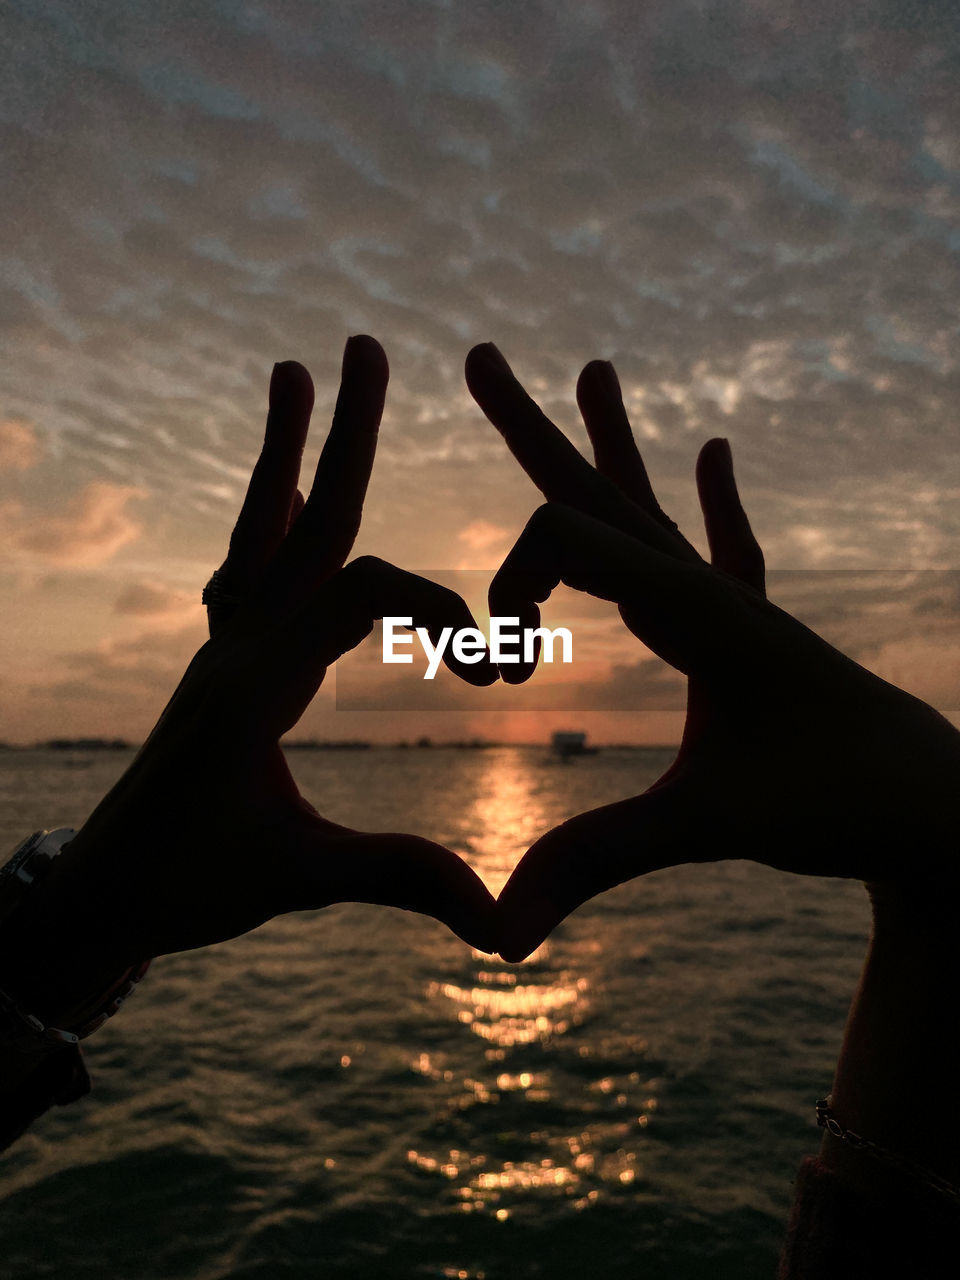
61 949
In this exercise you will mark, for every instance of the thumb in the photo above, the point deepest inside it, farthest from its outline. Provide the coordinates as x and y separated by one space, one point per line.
595 851
334 864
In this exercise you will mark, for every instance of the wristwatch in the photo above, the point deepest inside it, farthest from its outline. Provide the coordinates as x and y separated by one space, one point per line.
57 1073
30 862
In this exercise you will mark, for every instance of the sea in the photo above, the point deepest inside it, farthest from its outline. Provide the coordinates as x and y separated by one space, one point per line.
356 1093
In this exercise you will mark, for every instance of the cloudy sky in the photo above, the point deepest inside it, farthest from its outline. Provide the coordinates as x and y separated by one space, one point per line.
753 208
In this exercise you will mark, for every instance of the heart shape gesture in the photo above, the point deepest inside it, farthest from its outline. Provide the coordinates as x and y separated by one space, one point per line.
792 754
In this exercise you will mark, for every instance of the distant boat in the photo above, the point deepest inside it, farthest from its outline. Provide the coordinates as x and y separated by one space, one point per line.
569 742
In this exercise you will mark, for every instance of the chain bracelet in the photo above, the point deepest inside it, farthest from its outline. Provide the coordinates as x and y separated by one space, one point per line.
827 1120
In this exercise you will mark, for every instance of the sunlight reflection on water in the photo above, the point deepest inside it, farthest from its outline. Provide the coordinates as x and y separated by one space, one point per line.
507 815
514 1007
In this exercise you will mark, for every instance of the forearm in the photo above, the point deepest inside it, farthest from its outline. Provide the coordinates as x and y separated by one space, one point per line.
859 1212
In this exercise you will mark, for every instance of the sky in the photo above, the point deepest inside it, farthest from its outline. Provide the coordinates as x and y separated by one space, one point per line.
752 208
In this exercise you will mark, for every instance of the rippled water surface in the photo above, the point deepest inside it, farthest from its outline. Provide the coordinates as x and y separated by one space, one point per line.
355 1093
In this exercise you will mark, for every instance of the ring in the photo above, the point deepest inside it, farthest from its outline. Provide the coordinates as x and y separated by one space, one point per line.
216 594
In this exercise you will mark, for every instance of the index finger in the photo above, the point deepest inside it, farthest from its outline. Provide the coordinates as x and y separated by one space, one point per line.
331 515
614 445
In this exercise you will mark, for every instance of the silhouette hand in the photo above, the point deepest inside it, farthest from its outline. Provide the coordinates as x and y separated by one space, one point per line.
206 836
792 755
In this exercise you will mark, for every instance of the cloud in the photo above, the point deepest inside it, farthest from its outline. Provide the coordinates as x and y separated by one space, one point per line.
486 544
742 207
750 207
120 685
480 535
19 446
155 601
88 530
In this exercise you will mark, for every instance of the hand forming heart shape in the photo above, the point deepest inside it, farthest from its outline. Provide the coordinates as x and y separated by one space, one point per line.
206 836
792 754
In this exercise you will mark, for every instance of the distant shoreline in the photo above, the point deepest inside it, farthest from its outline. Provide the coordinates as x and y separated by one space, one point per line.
322 744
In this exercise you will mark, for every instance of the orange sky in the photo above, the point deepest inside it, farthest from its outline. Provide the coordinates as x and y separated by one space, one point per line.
766 251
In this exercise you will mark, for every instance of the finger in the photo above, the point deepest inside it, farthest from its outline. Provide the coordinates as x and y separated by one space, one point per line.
268 678
522 583
262 522
595 851
323 536
345 608
685 613
615 450
560 471
330 864
263 519
332 512
416 875
733 547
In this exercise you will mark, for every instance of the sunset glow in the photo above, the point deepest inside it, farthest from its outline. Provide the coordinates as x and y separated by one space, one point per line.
189 199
